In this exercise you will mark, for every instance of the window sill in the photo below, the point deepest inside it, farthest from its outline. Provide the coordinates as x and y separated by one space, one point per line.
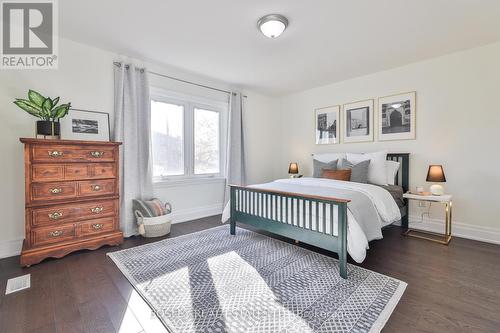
188 181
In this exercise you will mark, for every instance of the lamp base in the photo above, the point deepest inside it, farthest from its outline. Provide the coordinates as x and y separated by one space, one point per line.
437 189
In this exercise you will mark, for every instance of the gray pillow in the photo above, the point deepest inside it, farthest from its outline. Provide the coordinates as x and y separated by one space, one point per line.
359 172
319 166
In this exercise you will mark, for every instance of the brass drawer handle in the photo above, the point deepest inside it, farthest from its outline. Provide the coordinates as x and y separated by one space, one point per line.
55 233
55 215
96 210
56 190
95 187
96 154
97 226
55 153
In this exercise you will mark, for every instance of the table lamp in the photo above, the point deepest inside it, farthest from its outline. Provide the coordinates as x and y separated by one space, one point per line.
293 169
435 174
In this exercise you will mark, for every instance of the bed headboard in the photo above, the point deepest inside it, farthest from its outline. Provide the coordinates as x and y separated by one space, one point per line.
403 175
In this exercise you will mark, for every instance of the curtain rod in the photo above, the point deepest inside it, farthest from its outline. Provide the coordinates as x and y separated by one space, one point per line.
119 64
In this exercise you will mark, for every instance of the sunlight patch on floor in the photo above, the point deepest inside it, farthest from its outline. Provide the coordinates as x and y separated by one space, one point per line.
129 322
245 298
143 314
177 287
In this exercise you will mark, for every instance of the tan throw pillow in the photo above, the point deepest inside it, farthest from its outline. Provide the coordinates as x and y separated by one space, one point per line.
340 174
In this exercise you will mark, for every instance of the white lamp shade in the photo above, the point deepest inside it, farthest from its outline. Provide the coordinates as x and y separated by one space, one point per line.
272 29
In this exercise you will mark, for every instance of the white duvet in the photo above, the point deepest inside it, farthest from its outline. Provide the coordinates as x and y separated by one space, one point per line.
357 242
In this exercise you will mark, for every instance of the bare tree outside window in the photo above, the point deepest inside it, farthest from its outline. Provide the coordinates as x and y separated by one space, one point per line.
206 142
167 128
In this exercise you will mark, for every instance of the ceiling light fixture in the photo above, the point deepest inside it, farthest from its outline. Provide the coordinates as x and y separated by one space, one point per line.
272 25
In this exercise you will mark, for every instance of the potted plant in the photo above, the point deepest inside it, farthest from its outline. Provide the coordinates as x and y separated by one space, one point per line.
46 109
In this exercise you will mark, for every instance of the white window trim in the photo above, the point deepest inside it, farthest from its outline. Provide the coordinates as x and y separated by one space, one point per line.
190 103
179 182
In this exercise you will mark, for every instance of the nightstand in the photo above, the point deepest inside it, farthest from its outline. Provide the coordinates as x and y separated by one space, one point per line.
432 236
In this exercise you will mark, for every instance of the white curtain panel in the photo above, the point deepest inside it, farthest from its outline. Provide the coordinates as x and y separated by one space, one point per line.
132 127
235 164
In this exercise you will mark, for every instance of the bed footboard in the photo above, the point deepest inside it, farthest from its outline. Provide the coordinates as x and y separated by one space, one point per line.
315 220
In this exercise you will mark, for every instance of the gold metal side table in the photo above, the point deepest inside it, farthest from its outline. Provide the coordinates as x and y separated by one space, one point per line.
432 236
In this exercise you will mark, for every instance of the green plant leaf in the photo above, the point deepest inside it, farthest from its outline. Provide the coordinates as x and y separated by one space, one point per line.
30 103
60 111
55 101
36 97
47 108
28 107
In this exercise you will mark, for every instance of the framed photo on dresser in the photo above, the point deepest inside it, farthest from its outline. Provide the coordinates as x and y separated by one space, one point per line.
397 118
358 121
327 127
85 125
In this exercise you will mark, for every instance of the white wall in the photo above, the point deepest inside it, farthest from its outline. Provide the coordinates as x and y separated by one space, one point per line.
458 121
262 137
85 78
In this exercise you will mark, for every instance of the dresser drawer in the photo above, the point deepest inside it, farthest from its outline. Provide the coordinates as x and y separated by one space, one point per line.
58 214
95 227
77 171
103 170
73 171
47 172
53 191
68 153
52 235
96 187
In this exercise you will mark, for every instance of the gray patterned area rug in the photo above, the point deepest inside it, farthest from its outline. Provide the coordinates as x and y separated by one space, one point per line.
210 281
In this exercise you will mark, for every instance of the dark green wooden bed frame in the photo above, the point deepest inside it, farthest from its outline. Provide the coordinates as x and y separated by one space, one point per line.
254 207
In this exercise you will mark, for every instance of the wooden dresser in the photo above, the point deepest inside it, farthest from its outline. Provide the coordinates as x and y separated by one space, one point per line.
71 197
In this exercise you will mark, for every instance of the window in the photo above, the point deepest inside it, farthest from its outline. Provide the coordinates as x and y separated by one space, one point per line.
167 128
206 141
188 136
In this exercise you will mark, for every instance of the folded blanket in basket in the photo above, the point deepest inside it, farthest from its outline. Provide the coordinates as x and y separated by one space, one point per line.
150 208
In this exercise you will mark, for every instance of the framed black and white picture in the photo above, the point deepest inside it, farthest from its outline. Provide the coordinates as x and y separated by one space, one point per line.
358 121
397 117
85 125
327 122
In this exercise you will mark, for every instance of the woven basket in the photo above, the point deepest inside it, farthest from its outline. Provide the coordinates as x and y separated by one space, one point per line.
153 226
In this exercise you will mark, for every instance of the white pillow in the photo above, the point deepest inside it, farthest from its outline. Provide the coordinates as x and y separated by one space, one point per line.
391 168
376 170
328 157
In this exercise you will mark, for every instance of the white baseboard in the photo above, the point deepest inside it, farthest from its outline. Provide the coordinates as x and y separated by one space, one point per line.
196 213
10 248
458 229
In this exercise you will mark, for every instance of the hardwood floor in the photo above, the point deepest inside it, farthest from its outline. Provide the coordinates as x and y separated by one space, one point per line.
453 288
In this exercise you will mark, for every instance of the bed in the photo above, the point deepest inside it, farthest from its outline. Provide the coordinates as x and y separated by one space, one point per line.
338 216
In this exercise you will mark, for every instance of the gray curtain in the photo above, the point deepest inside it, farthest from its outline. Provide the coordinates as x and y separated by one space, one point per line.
132 127
235 164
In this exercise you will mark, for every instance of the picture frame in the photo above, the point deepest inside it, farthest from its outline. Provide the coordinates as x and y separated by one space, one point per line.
358 121
327 125
85 125
397 117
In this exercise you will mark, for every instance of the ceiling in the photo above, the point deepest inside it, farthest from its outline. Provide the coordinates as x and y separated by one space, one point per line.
327 40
